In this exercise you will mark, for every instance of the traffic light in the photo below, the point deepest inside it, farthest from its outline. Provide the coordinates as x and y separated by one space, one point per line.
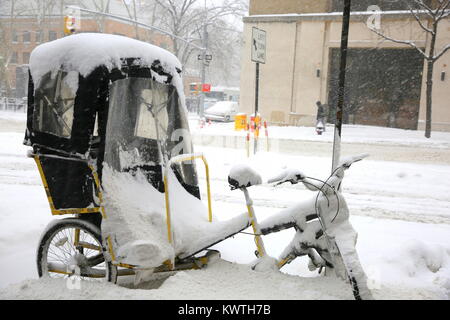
69 25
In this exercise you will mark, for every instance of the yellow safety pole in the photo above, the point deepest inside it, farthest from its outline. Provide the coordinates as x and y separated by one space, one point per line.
179 159
168 219
208 188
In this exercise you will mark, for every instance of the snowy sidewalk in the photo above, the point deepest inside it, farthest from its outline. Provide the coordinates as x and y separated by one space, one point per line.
381 143
350 134
400 209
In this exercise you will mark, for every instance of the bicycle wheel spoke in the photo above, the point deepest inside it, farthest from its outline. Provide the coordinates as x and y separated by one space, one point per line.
65 258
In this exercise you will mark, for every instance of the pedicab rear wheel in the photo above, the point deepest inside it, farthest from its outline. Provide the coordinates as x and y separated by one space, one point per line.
72 248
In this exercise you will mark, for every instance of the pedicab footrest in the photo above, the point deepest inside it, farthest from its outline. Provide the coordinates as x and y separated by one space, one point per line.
191 262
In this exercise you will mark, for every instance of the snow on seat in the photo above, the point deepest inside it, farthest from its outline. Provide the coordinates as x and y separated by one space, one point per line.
136 221
242 175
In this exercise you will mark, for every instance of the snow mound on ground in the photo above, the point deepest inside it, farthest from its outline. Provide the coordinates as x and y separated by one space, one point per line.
265 264
422 263
219 281
425 258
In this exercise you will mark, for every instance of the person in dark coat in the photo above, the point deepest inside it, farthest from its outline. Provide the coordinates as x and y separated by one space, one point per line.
322 111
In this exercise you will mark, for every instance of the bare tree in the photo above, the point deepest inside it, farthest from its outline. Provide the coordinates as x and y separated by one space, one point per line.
100 6
8 22
428 15
185 18
6 27
133 15
42 12
225 43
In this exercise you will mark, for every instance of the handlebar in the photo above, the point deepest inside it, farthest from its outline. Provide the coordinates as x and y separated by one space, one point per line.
293 176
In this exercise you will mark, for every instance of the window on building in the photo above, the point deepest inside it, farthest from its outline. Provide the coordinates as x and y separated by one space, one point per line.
385 5
14 57
14 36
39 36
26 36
25 57
52 35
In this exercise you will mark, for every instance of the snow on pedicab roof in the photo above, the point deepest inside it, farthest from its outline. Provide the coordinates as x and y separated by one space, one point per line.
85 51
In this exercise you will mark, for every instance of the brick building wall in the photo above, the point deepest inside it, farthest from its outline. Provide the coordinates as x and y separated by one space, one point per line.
26 33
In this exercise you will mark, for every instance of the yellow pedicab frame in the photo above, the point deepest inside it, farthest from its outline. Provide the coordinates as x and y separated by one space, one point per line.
179 159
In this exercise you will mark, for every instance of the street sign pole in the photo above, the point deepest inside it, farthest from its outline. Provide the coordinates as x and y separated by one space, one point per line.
202 94
341 92
256 106
259 56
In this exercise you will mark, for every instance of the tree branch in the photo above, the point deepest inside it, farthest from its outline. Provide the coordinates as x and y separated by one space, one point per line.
446 48
410 43
429 10
444 12
419 21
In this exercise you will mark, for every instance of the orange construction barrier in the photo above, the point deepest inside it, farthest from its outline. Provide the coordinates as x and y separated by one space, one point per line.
240 121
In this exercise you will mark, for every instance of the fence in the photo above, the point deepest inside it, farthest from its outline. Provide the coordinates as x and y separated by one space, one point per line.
13 104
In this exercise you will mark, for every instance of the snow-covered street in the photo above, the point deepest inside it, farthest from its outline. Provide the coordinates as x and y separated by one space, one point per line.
401 210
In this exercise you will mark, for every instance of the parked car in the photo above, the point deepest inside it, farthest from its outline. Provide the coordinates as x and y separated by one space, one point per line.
209 103
222 111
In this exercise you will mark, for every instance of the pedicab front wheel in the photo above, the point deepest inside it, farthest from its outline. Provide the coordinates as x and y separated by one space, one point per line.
72 248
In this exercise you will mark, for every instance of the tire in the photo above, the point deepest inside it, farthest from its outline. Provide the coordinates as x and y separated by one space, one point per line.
56 250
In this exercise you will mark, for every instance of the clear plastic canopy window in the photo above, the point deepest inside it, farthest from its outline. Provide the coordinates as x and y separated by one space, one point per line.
147 126
54 104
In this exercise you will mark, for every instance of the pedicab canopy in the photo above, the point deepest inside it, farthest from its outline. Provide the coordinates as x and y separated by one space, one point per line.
119 97
120 102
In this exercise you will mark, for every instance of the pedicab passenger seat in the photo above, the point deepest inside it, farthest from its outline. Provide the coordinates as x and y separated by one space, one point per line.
215 231
237 224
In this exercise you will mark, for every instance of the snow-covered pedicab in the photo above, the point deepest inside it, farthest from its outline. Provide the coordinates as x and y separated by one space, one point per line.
110 136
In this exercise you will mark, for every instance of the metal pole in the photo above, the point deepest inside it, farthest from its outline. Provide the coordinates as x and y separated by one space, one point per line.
135 18
203 72
340 103
256 107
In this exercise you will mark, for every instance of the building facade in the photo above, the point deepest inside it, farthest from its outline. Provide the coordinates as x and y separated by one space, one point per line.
22 34
385 80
